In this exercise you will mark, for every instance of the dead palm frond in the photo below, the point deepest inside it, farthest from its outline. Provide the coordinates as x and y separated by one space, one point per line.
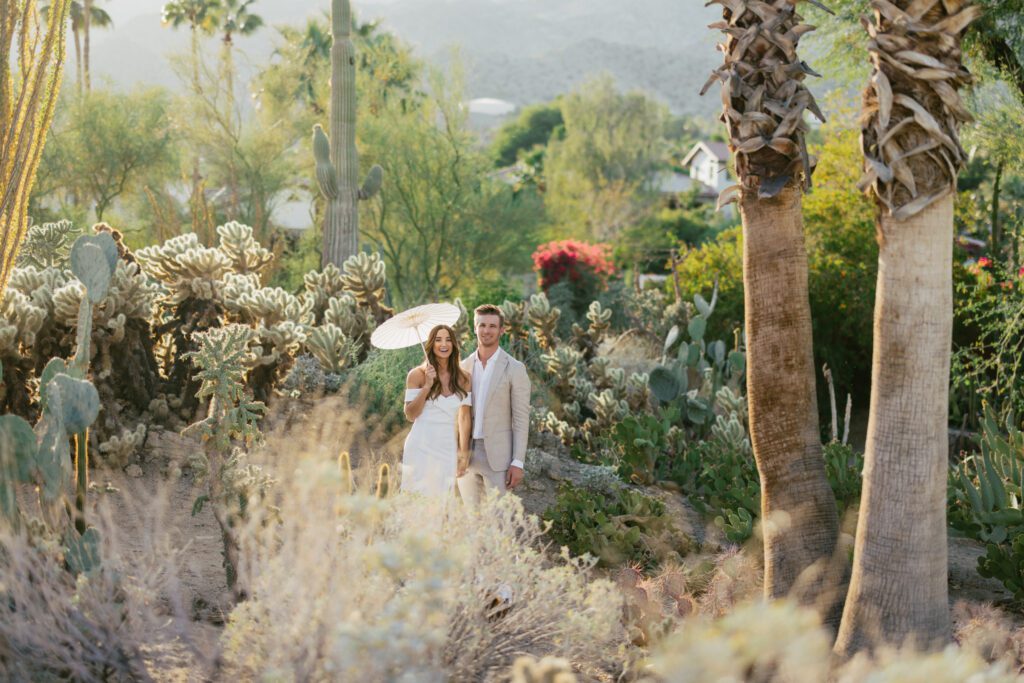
912 107
763 94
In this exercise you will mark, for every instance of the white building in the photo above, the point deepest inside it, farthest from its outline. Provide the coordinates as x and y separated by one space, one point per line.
708 163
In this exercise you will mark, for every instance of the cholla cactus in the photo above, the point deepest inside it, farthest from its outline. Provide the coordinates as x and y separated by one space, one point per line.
243 251
334 350
565 431
322 286
607 410
588 340
355 321
20 322
47 245
562 365
547 670
186 268
544 320
364 278
638 391
464 325
118 450
516 325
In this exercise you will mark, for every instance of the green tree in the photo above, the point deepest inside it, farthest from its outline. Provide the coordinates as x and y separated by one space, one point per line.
597 175
105 145
442 220
533 127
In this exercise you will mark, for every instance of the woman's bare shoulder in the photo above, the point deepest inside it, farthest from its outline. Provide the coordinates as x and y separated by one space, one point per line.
416 378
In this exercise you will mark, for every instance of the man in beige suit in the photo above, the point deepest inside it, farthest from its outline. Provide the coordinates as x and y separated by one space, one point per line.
501 412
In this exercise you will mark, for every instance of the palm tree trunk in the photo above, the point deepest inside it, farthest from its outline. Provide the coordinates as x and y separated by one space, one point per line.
86 23
798 510
898 587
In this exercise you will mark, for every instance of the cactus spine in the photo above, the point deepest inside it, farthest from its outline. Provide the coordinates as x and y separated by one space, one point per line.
337 163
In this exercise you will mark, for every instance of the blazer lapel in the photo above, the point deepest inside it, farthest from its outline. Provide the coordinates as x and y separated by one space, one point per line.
499 371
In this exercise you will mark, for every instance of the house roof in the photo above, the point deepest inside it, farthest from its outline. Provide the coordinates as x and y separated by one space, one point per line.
718 150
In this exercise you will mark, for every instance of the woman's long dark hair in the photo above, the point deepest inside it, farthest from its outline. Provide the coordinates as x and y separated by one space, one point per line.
459 379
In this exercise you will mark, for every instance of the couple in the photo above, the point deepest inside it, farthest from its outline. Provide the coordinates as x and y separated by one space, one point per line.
470 419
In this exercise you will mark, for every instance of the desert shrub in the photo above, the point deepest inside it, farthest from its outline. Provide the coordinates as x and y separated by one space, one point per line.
585 267
780 641
721 261
843 467
615 527
392 589
986 364
378 384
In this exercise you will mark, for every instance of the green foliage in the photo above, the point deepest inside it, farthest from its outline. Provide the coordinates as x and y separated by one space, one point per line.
106 146
598 173
443 219
843 467
533 127
644 446
985 494
625 526
378 384
989 342
720 260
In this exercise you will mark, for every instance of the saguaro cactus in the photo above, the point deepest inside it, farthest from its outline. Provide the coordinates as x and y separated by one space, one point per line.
337 164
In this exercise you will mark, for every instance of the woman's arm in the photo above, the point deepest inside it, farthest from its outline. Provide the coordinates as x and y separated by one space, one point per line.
418 379
465 439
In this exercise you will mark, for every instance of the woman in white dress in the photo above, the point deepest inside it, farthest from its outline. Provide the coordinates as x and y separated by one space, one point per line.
437 401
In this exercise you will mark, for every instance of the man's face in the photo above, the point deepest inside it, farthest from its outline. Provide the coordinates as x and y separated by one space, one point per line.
488 330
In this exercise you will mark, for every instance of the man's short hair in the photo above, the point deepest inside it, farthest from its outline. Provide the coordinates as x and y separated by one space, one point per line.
490 309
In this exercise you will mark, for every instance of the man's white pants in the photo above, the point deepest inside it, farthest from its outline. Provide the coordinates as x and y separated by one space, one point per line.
480 477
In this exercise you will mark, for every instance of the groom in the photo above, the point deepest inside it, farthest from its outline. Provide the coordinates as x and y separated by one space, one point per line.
501 411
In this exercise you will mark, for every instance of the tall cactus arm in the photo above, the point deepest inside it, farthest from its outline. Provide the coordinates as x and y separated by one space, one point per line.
326 175
372 183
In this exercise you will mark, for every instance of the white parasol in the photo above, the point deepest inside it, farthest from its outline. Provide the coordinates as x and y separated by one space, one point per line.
411 327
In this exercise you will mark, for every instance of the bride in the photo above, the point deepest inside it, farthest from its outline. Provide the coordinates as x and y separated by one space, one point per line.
437 401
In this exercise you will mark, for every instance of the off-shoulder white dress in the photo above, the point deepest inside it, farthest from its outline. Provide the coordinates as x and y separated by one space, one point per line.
431 449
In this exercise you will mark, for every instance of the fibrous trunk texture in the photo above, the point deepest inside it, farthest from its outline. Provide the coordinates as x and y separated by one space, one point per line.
912 114
898 586
341 222
800 522
764 100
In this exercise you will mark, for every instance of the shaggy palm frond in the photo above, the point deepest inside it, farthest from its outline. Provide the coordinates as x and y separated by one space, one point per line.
763 94
912 107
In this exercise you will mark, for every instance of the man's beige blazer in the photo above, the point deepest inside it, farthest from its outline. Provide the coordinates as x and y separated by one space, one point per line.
506 413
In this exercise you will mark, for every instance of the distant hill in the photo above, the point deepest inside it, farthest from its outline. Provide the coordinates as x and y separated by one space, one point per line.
524 51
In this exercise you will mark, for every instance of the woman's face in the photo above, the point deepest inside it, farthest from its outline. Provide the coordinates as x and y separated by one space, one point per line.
443 345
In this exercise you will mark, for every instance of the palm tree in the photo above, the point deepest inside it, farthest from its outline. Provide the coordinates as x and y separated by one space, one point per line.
97 17
764 102
233 17
198 14
912 114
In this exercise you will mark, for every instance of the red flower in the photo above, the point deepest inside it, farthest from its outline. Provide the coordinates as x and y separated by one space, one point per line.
984 262
1020 272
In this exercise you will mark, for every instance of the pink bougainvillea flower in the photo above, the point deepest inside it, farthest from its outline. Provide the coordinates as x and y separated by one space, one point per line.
984 262
1020 272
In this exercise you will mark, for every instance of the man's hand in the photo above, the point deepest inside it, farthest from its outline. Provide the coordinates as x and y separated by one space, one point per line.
463 463
513 477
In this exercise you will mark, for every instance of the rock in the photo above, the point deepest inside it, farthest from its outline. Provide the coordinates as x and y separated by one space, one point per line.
133 471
